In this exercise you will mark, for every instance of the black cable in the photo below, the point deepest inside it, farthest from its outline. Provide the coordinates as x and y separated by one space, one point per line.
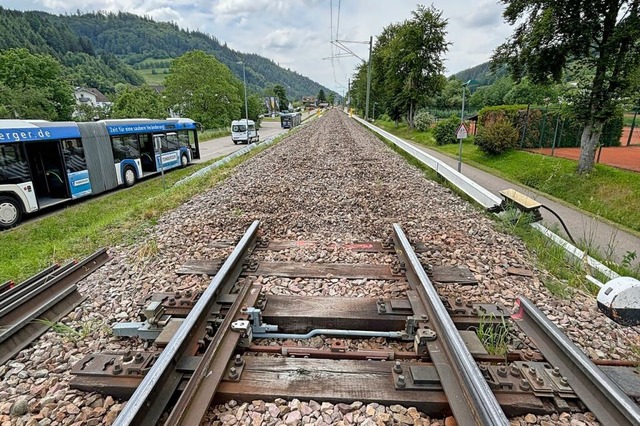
563 225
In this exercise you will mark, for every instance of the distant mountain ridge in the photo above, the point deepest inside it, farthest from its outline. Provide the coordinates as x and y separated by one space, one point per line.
117 41
134 38
45 34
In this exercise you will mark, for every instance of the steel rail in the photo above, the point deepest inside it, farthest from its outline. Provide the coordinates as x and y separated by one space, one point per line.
29 288
469 396
598 392
194 401
148 402
48 297
6 290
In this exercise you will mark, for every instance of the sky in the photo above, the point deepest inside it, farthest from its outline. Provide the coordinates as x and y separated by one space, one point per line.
297 34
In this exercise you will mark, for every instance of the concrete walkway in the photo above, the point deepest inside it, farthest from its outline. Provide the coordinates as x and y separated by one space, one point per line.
608 240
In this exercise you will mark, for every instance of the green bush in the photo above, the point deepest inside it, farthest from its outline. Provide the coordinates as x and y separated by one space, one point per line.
541 125
445 131
497 137
384 117
423 120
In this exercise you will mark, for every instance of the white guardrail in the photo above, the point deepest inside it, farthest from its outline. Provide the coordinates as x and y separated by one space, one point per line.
484 197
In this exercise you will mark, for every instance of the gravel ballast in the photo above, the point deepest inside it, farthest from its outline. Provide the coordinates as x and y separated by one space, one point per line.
332 182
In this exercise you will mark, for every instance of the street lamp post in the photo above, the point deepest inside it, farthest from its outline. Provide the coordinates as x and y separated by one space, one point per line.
246 109
464 92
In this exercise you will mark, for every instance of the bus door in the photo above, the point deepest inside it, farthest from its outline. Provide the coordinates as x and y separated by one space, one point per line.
48 172
147 154
76 167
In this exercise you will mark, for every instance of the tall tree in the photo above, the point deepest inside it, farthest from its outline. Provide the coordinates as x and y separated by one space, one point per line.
138 102
601 34
33 87
331 98
411 57
281 94
203 89
321 96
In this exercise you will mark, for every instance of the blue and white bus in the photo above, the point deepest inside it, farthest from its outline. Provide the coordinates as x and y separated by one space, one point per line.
45 163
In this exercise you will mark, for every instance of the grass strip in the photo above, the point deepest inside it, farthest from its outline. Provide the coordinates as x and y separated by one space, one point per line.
609 192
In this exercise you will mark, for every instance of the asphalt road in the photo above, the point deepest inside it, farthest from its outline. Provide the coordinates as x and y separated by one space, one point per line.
220 147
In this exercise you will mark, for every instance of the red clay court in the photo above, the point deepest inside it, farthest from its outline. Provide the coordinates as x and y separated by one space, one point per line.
623 157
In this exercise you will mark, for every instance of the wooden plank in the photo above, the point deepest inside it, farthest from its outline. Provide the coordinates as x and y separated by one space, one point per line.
324 270
200 267
298 314
524 202
452 274
438 274
345 381
519 271
360 246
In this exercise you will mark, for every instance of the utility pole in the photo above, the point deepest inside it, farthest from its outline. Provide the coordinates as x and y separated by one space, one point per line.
366 113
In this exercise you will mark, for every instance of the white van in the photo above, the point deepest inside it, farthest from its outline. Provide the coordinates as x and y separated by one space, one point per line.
239 133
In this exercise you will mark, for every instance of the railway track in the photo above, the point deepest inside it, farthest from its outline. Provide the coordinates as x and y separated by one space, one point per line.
211 353
327 267
28 309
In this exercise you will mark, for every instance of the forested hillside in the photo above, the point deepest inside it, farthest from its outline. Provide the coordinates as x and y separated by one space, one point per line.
100 49
134 39
481 73
46 34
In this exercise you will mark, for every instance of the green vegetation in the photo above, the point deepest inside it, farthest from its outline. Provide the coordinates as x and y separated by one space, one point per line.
213 133
139 41
41 33
628 120
202 88
154 76
73 334
407 63
101 50
560 277
608 192
32 86
141 101
495 339
551 35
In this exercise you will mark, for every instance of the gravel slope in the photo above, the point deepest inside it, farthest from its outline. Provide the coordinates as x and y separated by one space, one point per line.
331 181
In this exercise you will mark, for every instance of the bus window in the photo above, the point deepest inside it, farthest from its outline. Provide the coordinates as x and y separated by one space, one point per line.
131 145
74 155
119 151
13 165
125 147
183 137
164 145
172 142
239 128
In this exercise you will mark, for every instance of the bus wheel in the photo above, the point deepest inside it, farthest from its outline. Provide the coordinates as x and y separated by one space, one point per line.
184 160
129 176
10 212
